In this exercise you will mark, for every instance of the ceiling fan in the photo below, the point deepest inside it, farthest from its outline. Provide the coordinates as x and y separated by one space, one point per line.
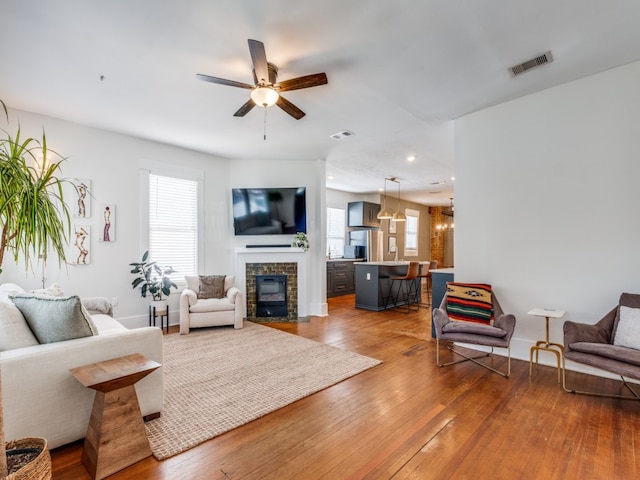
266 91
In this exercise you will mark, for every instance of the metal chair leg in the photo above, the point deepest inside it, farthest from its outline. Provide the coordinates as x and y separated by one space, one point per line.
636 396
474 359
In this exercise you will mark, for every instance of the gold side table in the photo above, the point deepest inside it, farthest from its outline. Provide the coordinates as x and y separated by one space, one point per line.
546 345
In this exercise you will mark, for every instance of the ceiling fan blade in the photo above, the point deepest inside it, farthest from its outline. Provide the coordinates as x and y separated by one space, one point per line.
244 109
223 81
290 108
306 81
259 59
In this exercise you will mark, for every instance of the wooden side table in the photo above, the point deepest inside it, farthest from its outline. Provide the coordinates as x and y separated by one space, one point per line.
116 437
545 345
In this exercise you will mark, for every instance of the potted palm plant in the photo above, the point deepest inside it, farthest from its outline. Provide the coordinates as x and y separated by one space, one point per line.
33 217
153 280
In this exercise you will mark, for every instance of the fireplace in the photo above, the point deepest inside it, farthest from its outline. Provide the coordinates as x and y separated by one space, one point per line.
271 295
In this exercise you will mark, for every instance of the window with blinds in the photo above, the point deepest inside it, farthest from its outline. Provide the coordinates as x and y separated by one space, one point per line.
336 221
411 233
173 224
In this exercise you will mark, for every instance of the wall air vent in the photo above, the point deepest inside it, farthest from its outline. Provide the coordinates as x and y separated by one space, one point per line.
342 134
530 64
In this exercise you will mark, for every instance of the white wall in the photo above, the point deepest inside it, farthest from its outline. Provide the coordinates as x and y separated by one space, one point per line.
291 173
112 162
547 198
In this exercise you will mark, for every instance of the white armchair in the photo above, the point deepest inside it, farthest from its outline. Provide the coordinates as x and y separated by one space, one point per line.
210 312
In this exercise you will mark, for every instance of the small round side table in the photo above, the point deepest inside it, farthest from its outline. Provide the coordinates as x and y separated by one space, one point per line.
546 345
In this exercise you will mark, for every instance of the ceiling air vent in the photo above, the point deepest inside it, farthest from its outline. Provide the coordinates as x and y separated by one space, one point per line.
342 134
530 64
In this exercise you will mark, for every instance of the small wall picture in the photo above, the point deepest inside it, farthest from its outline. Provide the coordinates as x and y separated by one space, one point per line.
80 245
108 227
80 205
392 245
392 226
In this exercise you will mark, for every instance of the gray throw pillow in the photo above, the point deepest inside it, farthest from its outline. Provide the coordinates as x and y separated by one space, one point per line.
211 286
55 319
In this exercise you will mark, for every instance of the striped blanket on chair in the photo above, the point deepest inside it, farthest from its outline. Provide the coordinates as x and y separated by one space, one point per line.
470 302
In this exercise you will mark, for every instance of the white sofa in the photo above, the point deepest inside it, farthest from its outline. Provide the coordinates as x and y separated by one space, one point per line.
210 312
42 399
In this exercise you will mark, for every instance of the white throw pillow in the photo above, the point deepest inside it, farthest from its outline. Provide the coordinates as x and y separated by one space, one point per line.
14 331
53 291
628 330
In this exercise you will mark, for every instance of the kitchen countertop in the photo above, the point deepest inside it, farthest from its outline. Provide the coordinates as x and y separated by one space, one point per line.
344 259
442 270
392 263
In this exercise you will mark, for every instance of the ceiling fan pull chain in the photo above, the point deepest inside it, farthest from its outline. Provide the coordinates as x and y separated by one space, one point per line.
265 125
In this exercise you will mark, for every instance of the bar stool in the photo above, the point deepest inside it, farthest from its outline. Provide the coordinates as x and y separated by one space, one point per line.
428 276
411 287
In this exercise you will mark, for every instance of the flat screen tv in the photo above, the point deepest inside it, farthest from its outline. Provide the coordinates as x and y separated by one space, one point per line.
269 211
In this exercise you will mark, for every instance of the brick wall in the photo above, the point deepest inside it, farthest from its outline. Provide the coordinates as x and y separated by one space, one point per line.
437 235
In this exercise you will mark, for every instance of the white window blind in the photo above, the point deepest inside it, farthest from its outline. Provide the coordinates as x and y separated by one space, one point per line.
411 233
173 224
336 221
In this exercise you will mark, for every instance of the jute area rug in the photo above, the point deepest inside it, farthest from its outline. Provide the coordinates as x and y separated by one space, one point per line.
219 378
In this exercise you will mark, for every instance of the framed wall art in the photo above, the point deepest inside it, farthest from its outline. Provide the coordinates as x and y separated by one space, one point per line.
80 245
392 245
80 198
108 226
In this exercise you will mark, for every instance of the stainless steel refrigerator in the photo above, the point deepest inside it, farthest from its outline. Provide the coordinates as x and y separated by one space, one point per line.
371 240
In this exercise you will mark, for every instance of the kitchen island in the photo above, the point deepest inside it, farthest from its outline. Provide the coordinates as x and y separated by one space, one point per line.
439 279
373 282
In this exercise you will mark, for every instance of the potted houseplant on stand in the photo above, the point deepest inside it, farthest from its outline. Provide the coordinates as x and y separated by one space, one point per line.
153 280
33 217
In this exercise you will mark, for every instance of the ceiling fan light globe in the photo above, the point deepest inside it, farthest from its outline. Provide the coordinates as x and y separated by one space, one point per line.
264 96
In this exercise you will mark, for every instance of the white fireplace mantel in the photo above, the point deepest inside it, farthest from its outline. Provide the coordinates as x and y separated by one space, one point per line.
244 255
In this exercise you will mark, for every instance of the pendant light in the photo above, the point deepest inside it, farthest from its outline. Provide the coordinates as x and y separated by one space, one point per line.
385 212
399 216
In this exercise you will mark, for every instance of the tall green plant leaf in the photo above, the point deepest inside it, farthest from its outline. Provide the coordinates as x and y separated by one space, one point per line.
33 215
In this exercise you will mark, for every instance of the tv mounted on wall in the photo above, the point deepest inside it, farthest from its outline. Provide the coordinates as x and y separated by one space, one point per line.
269 211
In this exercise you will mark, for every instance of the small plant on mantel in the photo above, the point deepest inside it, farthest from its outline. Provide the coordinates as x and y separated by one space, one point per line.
301 241
152 278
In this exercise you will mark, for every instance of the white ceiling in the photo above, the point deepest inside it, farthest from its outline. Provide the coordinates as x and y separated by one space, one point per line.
399 72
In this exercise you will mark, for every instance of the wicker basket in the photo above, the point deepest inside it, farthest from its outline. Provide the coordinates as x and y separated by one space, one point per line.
40 468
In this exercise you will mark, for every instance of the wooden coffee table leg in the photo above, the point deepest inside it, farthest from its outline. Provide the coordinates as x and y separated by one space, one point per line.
116 437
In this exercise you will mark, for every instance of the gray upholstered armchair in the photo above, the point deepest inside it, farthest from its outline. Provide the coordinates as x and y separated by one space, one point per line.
611 344
495 330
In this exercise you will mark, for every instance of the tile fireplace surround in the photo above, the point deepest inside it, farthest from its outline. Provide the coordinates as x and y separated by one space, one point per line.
273 260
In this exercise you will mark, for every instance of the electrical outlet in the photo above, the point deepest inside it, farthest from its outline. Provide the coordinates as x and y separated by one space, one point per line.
114 302
368 276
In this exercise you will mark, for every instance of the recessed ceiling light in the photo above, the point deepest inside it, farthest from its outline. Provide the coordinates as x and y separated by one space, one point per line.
330 177
453 179
411 158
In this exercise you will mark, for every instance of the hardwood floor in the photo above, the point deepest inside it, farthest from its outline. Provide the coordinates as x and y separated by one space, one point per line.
409 419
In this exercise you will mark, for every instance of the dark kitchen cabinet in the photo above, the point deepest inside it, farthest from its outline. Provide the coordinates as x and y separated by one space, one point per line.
341 277
363 214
